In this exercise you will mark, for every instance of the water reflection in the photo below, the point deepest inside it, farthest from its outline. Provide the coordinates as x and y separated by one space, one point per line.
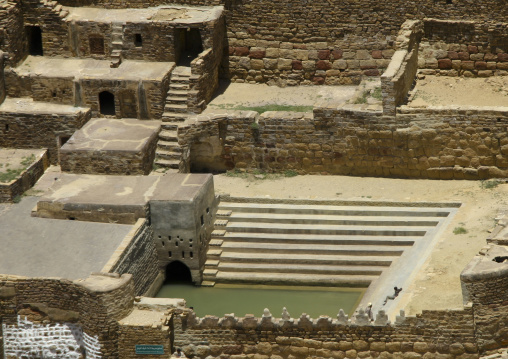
252 299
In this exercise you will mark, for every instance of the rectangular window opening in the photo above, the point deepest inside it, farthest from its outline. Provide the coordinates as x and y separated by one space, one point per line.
183 254
170 254
191 254
138 40
202 220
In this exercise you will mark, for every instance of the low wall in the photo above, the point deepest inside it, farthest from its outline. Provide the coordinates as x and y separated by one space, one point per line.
26 180
435 143
432 334
137 255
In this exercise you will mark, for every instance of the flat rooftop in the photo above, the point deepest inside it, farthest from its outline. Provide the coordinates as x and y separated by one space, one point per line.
170 14
129 70
17 159
25 105
37 247
108 134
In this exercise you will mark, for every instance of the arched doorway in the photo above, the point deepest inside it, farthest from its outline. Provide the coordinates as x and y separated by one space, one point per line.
177 272
107 103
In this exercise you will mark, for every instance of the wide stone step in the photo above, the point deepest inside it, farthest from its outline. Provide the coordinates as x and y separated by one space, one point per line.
298 258
176 99
282 208
324 229
178 93
318 239
169 146
170 136
167 163
175 108
174 116
295 279
299 268
169 155
331 219
169 126
352 250
178 86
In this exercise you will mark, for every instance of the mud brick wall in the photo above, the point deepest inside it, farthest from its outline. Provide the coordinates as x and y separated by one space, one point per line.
40 130
158 42
437 144
137 255
16 85
11 32
27 179
464 48
95 305
82 31
110 162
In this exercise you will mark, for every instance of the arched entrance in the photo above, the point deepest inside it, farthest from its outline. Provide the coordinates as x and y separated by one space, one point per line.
177 272
107 103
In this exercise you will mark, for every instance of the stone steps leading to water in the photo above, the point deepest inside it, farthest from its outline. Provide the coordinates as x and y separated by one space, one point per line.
309 243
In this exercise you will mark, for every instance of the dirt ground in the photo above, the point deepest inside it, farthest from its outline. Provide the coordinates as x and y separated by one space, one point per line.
442 91
437 285
235 94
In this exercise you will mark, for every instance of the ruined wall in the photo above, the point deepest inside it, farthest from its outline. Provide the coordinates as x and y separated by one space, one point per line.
94 304
464 48
25 181
418 143
55 90
137 256
40 130
486 285
14 43
120 4
433 333
205 68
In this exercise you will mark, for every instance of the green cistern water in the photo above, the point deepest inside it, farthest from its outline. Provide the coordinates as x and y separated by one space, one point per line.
253 299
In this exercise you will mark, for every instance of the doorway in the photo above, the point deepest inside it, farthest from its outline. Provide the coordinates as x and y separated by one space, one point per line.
34 35
177 272
107 103
188 45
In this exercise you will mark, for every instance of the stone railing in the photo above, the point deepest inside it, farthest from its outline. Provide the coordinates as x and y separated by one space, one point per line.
203 81
398 78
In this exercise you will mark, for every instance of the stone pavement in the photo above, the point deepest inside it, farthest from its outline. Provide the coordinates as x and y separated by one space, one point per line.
53 248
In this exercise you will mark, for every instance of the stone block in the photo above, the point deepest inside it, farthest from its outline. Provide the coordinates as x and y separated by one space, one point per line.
503 57
360 345
467 65
336 54
270 64
272 52
256 53
477 57
351 354
420 347
363 55
324 54
480 65
345 346
241 51
444 64
340 65
297 65
472 49
284 64
453 55
257 64
464 56
309 65
323 65
457 349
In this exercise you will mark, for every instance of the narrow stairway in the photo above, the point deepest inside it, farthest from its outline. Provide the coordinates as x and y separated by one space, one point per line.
169 153
328 245
116 44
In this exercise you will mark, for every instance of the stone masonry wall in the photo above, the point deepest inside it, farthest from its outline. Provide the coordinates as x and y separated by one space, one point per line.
433 334
137 256
94 304
423 143
11 32
464 48
26 180
40 130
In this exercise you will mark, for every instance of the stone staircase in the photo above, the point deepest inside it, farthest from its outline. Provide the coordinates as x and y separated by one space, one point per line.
312 244
169 152
116 44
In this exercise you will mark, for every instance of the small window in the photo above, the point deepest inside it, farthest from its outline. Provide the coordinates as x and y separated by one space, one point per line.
96 45
160 237
191 254
162 243
207 210
183 254
176 243
169 238
170 254
7 127
138 40
190 240
202 220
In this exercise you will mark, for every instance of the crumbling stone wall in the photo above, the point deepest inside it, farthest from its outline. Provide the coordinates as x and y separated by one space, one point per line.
26 180
11 32
95 305
40 130
137 255
464 48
